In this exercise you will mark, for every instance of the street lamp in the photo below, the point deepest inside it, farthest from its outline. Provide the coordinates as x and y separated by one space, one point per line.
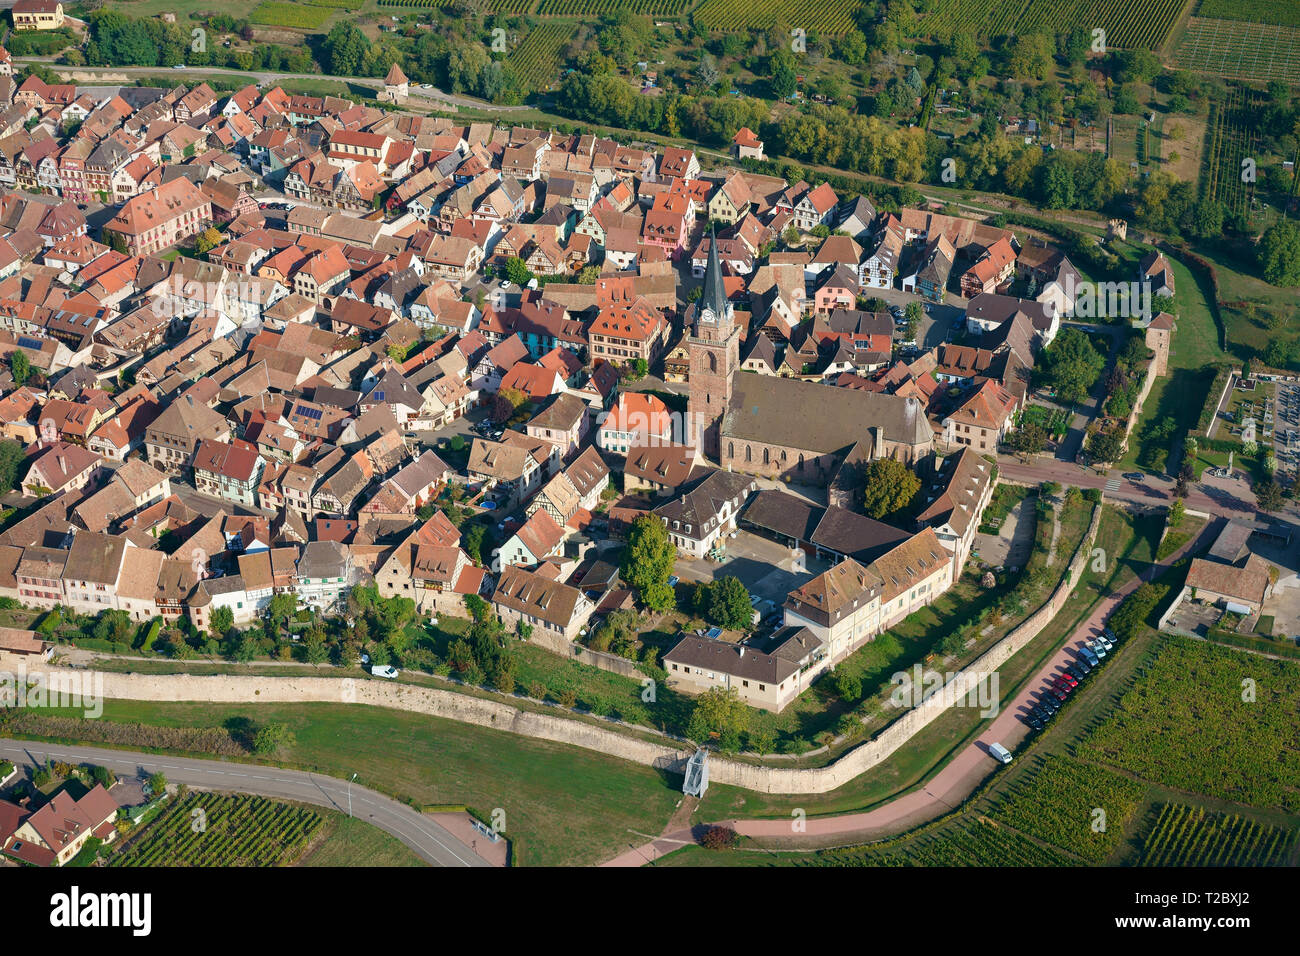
353 777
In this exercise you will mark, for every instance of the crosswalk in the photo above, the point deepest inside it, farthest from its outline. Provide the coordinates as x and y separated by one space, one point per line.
1112 484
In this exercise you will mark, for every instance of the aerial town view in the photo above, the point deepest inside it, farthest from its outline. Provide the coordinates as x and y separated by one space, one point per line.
648 434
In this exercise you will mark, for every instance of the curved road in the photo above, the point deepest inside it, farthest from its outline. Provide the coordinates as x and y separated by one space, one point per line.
430 841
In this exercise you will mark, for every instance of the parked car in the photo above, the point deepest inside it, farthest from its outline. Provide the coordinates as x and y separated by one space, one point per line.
1097 648
1086 654
1134 476
1059 694
1075 671
384 670
1105 642
1067 679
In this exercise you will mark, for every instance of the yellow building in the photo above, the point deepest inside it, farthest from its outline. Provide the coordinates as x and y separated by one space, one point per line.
38 15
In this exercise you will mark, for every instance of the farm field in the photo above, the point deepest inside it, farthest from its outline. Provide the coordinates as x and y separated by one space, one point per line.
537 57
1128 23
823 17
1193 836
1184 724
214 829
277 13
1238 50
1278 12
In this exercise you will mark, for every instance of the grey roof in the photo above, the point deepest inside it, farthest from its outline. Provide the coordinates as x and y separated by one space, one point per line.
323 559
817 417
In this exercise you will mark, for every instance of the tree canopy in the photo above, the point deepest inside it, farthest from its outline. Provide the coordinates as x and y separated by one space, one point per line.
648 562
889 489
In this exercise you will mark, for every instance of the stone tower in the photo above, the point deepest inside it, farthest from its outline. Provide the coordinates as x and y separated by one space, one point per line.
714 346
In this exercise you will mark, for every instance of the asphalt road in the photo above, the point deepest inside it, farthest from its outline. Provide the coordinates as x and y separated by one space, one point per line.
427 839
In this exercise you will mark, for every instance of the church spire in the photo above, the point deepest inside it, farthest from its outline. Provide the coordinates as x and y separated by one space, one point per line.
713 301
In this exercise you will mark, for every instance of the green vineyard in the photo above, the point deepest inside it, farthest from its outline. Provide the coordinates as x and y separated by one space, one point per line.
823 17
1276 12
1184 724
1240 51
975 841
600 8
1192 836
213 829
508 7
1128 24
337 4
1060 803
1229 148
536 60
276 13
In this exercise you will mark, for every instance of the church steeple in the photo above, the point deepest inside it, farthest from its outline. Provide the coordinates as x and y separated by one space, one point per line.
713 301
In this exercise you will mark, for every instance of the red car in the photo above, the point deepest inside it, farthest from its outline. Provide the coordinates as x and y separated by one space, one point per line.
1066 679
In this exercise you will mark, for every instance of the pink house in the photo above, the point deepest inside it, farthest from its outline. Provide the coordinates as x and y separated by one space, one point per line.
668 224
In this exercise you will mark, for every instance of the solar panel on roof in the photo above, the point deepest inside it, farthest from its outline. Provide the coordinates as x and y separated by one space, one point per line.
29 343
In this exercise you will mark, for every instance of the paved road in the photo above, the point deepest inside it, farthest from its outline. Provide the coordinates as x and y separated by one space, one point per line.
1230 498
428 839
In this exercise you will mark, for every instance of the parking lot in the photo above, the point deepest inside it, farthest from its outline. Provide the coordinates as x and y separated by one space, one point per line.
768 570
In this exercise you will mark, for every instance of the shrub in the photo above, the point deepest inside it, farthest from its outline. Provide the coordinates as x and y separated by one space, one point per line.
719 838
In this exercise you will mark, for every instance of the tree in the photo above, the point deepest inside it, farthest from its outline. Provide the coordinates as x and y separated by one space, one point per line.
707 71
281 609
781 73
19 367
157 783
208 239
1177 511
1279 253
729 605
516 271
11 459
507 404
648 562
1107 446
1072 365
114 626
719 712
1268 496
890 488
1028 439
272 738
102 776
222 620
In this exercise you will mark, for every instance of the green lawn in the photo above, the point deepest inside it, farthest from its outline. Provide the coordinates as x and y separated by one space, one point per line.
563 805
1178 395
1196 342
350 843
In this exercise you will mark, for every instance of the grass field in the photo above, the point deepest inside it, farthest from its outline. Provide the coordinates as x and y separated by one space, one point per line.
347 841
563 805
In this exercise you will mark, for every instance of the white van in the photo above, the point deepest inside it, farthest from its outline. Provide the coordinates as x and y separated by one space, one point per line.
1000 752
383 670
